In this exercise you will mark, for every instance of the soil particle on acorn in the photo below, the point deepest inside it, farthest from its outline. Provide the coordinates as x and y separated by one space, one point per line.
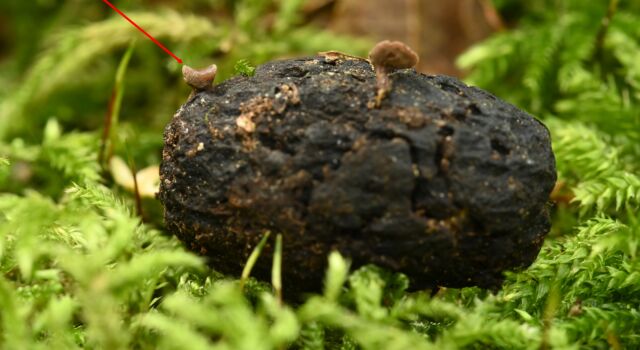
443 182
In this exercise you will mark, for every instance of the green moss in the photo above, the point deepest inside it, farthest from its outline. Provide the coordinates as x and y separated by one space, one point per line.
80 270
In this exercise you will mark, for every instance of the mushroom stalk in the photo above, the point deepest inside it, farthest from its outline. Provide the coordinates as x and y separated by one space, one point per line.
383 83
386 57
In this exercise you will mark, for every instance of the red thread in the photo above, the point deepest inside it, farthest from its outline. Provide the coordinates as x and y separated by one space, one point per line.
143 31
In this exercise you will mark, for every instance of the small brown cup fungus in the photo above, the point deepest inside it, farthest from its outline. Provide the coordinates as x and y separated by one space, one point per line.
199 79
386 57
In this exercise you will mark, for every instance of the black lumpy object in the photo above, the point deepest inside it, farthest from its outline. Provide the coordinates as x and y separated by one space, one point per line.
443 182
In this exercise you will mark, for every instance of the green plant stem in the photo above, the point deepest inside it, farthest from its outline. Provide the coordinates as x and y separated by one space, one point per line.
252 259
109 134
276 269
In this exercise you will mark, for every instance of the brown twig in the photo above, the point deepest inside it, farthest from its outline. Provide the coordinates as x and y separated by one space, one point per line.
491 15
312 8
604 28
560 194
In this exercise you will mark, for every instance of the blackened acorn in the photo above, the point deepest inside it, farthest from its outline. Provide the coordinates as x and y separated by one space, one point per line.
443 182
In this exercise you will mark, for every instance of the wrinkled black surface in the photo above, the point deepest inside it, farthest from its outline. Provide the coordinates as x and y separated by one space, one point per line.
443 182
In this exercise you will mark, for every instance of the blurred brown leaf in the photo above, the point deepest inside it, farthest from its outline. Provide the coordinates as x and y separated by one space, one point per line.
438 30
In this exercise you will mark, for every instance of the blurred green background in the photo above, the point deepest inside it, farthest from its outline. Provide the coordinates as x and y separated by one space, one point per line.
79 269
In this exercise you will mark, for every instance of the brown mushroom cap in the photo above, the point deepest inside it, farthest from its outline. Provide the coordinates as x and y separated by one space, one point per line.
393 55
199 79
